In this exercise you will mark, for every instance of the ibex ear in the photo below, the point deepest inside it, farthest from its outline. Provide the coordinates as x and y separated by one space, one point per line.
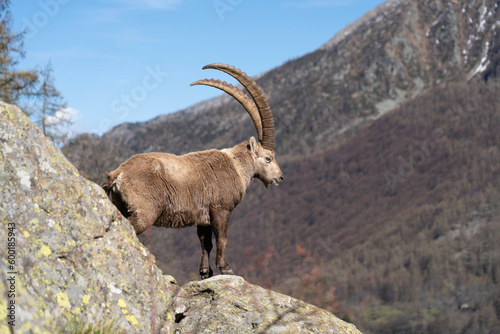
253 144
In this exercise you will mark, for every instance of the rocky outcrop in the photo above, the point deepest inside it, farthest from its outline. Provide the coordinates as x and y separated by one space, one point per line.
70 261
228 304
75 253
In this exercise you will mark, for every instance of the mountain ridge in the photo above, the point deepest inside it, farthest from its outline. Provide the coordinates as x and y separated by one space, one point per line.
327 94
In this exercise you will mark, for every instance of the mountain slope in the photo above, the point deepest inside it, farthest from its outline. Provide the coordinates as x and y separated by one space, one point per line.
387 137
401 218
392 54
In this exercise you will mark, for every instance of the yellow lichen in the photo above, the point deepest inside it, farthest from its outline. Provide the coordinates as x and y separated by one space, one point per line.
45 250
62 299
3 312
121 303
86 299
26 234
132 320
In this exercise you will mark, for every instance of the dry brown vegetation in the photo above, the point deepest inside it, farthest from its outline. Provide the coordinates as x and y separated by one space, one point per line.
420 257
396 229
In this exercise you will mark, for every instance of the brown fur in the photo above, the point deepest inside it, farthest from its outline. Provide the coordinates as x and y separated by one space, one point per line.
200 188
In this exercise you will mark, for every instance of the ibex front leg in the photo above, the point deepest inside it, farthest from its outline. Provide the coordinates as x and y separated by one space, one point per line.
205 236
220 223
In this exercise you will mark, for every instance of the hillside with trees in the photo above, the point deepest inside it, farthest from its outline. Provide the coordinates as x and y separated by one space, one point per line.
395 229
416 255
388 140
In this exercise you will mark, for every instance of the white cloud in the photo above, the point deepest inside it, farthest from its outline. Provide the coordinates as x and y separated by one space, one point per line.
64 121
76 52
151 4
303 4
62 116
128 37
104 15
115 13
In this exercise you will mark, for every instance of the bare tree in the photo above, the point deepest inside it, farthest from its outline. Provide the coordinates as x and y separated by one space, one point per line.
51 111
14 83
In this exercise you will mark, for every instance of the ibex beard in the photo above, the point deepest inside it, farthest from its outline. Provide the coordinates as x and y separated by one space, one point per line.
199 188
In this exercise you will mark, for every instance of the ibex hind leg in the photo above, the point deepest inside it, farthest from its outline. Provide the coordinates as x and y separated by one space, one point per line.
205 236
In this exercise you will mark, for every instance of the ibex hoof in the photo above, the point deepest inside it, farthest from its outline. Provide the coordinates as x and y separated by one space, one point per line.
206 273
227 272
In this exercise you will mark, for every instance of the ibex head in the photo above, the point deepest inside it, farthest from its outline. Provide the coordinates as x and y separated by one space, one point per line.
266 167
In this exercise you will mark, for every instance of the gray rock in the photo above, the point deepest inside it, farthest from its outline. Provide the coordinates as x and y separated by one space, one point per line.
24 315
229 304
76 255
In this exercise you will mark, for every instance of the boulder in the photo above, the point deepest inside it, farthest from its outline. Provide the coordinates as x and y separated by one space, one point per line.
72 263
229 304
74 252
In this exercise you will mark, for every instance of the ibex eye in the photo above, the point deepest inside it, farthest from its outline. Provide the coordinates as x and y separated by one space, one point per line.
269 159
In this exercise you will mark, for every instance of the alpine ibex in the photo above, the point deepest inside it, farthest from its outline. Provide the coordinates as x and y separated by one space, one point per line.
199 188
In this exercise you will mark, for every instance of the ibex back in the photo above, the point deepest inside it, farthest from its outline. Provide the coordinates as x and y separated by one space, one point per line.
199 188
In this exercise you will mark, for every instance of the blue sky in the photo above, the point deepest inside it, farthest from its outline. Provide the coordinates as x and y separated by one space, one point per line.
121 61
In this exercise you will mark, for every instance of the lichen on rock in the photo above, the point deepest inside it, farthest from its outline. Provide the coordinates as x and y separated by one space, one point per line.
229 304
75 253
